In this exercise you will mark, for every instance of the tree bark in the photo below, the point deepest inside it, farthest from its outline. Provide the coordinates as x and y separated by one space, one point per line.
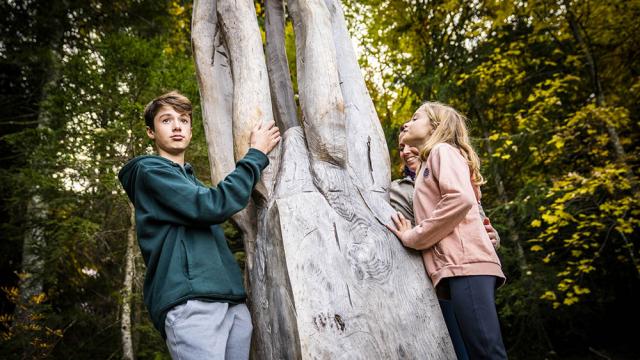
284 105
326 279
127 288
364 132
32 264
251 95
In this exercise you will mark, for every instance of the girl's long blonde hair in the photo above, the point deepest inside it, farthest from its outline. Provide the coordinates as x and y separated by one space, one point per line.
449 127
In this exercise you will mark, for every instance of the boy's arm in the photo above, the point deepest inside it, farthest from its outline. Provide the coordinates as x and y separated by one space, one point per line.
451 172
178 200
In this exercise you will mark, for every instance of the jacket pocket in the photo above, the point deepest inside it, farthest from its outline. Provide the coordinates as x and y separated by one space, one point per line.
177 313
439 257
461 244
186 268
437 251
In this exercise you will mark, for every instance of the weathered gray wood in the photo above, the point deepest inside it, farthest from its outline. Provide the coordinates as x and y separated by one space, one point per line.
251 95
284 105
213 72
323 117
357 293
272 303
368 154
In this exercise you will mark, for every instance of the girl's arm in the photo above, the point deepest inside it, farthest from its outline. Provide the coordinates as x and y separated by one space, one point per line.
451 173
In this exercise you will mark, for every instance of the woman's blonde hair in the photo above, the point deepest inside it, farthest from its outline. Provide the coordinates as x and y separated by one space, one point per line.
449 127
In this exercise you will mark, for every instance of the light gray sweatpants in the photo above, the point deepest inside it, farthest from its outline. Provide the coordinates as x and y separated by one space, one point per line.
208 330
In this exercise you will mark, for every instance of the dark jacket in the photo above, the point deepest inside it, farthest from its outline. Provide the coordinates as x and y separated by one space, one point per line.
184 249
401 197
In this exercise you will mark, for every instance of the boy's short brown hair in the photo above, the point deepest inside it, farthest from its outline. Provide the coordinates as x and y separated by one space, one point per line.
174 99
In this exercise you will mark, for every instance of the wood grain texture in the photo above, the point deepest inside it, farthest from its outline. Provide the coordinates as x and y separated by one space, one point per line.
284 105
368 153
251 94
358 294
318 82
271 302
213 72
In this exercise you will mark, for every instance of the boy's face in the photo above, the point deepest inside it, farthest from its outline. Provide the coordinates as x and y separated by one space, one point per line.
172 133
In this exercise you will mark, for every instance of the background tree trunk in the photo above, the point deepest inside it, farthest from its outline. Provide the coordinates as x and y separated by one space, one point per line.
33 265
127 288
326 278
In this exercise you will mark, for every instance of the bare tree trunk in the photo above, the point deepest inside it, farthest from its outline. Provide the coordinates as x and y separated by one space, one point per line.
326 279
126 293
32 264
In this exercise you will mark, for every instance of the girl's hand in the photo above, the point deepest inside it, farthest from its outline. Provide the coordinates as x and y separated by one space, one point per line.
402 225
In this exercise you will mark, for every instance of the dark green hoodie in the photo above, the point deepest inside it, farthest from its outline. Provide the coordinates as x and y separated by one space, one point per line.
184 249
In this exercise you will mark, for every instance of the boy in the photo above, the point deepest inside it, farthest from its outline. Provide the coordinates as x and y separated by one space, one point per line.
193 286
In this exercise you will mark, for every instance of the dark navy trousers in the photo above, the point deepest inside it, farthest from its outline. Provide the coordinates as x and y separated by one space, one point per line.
473 301
454 329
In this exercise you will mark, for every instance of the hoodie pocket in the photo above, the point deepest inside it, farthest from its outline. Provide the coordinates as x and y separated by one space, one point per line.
186 265
438 256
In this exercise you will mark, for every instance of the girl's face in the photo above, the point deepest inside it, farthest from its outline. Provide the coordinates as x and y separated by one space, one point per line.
410 156
418 130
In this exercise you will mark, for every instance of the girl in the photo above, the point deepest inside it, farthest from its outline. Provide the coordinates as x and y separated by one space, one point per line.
458 254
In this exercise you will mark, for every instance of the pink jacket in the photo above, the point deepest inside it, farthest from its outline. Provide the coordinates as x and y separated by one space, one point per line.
449 229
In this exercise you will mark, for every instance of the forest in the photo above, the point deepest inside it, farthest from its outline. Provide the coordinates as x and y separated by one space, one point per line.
551 90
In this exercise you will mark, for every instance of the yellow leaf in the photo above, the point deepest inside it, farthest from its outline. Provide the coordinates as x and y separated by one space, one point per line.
548 295
579 291
570 300
549 219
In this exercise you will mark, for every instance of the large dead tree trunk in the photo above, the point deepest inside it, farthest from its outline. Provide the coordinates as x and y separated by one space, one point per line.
325 278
